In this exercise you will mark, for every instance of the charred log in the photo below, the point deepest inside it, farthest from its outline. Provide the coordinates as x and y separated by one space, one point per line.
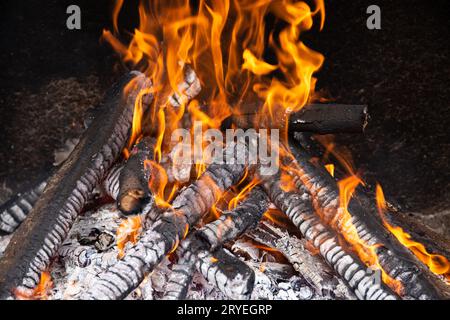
39 237
187 208
134 192
316 118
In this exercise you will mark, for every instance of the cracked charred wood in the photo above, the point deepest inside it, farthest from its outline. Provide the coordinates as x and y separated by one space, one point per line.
15 210
39 237
234 223
316 118
134 192
229 226
395 259
181 277
312 268
297 206
111 184
228 273
188 207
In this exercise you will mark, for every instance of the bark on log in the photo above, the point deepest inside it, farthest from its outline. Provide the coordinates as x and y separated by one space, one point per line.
297 206
187 208
134 192
395 259
316 118
39 237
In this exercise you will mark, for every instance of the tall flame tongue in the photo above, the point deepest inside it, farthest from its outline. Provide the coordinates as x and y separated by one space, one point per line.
436 263
366 252
224 42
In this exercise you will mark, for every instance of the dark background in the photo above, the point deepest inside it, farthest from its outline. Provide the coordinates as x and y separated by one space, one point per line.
50 76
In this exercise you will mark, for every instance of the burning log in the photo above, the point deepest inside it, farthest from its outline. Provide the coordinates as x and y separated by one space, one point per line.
297 206
134 193
39 237
187 208
313 269
396 261
16 209
316 118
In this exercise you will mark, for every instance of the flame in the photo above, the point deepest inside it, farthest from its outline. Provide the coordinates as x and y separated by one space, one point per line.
254 65
366 252
232 204
128 231
436 263
40 292
330 169
158 184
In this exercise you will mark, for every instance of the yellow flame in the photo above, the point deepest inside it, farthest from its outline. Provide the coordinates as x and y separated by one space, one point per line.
436 263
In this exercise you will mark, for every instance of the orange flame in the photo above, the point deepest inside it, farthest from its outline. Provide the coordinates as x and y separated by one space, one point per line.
366 252
330 169
242 194
158 184
174 33
128 231
40 292
436 263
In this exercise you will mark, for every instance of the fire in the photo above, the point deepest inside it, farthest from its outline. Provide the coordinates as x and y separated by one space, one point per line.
342 155
40 292
128 231
225 42
436 263
366 252
158 184
330 169
232 204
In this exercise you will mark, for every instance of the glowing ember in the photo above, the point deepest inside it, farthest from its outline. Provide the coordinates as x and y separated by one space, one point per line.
436 263
40 292
366 252
128 231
